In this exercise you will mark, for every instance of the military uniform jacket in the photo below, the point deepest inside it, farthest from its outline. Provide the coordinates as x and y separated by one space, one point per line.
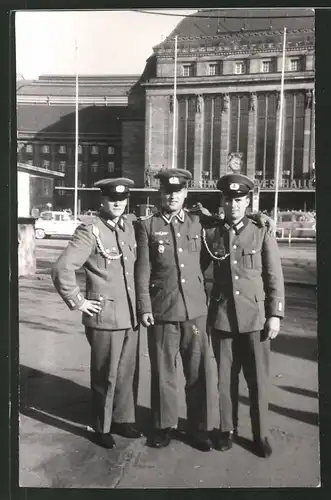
169 282
248 284
109 278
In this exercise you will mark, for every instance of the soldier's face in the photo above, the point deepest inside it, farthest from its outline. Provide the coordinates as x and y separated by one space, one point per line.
173 201
114 207
235 208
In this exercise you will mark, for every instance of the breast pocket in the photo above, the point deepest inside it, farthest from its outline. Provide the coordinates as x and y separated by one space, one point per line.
194 243
251 258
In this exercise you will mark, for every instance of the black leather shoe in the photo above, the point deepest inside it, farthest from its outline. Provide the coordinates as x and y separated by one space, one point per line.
105 440
126 430
201 441
160 439
223 441
262 447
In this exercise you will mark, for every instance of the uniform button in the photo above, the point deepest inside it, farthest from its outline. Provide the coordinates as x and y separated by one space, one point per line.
178 234
235 262
237 292
127 273
234 246
180 249
253 251
160 242
233 230
122 242
182 265
125 258
113 249
236 277
183 281
129 288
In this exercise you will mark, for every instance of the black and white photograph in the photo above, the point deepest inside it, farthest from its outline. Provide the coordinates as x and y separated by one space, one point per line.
167 277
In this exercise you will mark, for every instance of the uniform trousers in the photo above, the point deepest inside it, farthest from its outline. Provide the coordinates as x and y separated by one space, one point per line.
165 341
250 352
114 365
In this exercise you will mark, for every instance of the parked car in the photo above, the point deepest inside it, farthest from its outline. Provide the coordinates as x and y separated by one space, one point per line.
55 224
298 224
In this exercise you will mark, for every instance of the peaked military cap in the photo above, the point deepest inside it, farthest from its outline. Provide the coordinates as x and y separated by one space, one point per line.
115 187
235 185
174 179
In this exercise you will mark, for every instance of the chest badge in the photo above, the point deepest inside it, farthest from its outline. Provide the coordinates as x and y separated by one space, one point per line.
161 248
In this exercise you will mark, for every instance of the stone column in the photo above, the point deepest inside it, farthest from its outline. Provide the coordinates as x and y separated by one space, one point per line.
307 133
225 134
198 139
277 137
252 127
148 132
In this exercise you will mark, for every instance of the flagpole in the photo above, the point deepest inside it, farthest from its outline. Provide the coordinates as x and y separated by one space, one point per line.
76 139
280 131
174 109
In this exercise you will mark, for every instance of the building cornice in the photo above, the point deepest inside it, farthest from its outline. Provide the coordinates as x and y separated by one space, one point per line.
71 101
204 80
24 167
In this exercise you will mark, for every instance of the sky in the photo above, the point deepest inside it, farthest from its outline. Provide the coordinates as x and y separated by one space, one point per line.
109 42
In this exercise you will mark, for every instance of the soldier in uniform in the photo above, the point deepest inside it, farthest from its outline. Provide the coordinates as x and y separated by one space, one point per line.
246 305
171 302
106 249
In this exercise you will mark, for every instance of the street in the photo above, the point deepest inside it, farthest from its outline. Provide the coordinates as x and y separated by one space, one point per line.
56 449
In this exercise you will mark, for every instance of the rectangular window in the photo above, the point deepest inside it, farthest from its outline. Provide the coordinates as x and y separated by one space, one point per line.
295 64
111 150
80 149
111 166
45 148
266 67
60 183
62 149
187 70
95 150
213 69
94 167
29 148
62 166
239 67
46 187
46 164
80 166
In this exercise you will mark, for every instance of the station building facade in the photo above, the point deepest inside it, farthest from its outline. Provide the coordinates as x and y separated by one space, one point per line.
228 101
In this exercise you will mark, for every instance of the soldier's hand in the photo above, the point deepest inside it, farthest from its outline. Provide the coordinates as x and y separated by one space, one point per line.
90 307
272 327
147 319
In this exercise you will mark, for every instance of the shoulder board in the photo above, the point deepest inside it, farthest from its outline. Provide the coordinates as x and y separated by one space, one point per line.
95 230
145 217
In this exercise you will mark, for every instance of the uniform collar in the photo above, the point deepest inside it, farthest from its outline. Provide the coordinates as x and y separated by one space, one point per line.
113 225
237 227
168 218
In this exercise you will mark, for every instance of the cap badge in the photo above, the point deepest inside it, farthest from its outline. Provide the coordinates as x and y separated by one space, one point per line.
120 189
173 180
234 186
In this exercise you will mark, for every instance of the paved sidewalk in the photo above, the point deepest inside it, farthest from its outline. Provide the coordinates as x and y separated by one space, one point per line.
56 449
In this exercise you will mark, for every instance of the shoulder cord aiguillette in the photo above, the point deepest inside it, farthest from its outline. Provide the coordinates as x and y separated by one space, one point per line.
213 256
101 248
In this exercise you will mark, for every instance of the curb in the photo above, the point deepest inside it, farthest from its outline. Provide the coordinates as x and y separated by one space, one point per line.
301 284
